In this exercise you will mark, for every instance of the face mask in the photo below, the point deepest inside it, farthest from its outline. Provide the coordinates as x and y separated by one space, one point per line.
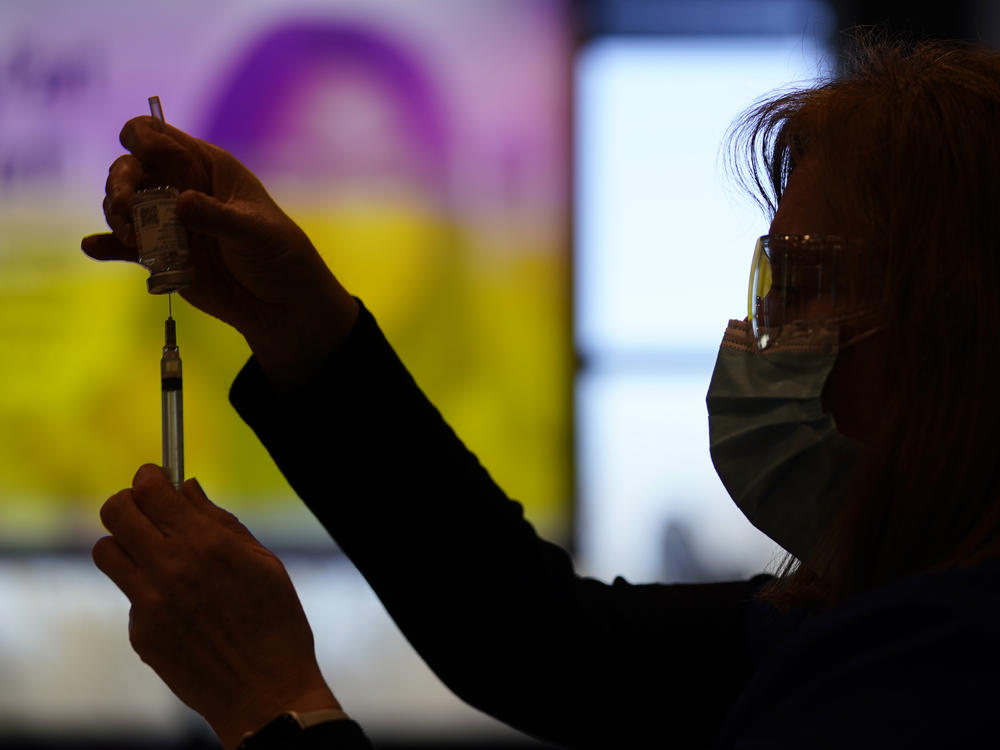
778 454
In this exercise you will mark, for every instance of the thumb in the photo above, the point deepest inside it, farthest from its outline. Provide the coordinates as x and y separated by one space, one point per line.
107 247
192 490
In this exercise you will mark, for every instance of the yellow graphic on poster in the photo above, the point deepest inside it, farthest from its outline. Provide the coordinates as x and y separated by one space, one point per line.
429 164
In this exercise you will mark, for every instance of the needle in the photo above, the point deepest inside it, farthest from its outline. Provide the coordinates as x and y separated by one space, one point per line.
155 109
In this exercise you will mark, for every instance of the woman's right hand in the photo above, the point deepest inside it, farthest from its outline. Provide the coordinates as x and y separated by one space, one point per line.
253 267
214 613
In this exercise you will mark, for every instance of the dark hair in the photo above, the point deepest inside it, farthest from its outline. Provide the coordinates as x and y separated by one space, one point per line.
907 140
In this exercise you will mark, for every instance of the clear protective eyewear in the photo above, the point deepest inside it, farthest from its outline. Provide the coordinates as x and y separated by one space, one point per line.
809 279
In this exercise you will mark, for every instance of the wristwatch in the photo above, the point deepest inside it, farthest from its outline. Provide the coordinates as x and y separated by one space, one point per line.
287 727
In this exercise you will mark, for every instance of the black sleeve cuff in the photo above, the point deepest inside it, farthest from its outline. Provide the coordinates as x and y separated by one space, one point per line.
341 734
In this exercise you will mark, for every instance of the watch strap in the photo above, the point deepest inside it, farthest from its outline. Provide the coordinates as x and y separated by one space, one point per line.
288 726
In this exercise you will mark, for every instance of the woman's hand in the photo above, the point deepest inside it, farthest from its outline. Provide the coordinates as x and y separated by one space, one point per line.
214 613
254 268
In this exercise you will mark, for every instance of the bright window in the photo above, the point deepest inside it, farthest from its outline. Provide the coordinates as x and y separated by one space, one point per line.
664 243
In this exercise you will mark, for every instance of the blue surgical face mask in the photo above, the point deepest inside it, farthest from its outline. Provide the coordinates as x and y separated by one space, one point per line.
778 454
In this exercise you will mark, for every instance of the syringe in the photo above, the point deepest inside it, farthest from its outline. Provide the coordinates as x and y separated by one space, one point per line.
173 406
171 385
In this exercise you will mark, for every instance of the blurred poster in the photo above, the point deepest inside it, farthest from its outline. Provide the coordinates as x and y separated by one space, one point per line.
424 147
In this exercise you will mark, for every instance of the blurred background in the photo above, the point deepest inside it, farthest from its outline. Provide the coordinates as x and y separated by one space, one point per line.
530 196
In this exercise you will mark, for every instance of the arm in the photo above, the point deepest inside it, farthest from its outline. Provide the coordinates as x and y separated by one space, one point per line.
498 613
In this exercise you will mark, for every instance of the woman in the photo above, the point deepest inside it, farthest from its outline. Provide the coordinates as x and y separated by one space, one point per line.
901 157
882 380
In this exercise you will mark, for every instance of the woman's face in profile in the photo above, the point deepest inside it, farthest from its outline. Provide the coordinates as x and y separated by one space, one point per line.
855 391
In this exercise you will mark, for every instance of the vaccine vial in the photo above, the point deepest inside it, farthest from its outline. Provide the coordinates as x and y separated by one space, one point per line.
161 240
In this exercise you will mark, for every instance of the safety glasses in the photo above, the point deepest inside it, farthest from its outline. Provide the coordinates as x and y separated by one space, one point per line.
810 279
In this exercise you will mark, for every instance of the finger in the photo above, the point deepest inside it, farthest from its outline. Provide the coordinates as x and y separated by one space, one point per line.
122 228
171 153
133 530
107 247
139 128
156 497
191 489
124 177
112 560
208 215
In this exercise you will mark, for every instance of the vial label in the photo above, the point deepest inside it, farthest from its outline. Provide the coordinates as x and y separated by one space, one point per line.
160 238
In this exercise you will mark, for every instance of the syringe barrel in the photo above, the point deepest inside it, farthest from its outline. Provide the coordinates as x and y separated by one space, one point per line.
173 407
173 433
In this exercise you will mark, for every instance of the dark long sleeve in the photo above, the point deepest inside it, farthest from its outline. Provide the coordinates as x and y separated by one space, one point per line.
342 734
499 614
